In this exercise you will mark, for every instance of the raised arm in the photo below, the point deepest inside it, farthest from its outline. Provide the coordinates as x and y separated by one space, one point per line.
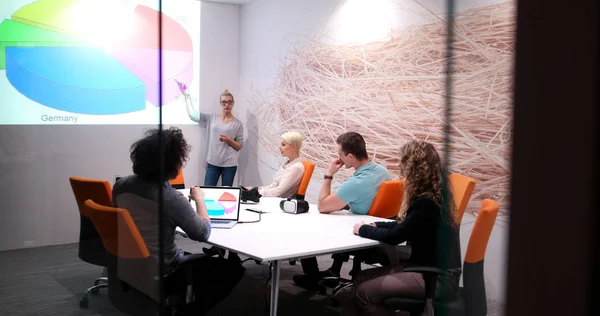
193 114
328 202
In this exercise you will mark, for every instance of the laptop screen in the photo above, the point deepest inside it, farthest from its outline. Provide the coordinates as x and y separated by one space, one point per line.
222 202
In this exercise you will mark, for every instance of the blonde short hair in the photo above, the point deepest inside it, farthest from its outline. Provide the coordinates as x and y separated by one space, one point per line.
293 138
226 93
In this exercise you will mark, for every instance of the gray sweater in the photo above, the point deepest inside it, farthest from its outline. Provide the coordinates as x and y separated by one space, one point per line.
140 198
220 154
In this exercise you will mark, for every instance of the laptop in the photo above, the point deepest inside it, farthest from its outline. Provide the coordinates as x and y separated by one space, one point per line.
223 205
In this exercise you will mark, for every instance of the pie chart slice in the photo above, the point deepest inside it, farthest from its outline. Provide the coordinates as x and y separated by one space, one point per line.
62 69
228 202
227 197
145 62
54 15
145 32
228 206
213 208
18 34
83 80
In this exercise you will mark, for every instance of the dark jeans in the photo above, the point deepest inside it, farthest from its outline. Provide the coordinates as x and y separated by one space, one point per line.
212 177
214 172
213 280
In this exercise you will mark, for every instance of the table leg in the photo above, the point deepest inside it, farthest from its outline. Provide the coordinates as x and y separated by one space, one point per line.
274 287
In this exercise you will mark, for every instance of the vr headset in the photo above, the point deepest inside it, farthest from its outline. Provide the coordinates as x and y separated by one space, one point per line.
294 206
250 195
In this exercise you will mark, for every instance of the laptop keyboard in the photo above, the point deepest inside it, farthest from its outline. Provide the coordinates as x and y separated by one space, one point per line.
219 221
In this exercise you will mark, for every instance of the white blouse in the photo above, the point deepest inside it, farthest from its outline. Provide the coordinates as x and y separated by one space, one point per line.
286 181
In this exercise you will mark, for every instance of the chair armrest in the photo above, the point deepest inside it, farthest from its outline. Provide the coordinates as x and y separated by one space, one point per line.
427 270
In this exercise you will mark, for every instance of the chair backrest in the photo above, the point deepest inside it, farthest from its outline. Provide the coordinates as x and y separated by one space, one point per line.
388 199
178 182
309 168
132 262
98 191
473 279
119 233
462 188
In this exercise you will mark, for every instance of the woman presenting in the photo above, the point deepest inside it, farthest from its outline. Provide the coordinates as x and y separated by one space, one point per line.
225 139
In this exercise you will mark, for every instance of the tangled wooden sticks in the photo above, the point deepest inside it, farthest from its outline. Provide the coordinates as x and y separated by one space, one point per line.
393 91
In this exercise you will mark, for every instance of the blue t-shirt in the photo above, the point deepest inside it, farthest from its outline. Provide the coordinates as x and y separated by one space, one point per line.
359 190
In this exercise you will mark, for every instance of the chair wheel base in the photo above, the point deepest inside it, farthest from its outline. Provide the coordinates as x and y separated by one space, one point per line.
84 303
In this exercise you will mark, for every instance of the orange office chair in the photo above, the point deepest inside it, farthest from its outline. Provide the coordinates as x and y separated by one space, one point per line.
91 249
133 273
388 200
471 299
386 204
462 188
309 168
178 182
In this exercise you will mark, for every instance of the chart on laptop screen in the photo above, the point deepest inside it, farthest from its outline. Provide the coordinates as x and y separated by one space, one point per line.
222 202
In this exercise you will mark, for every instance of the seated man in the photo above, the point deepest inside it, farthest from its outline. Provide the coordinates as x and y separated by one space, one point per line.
213 278
358 192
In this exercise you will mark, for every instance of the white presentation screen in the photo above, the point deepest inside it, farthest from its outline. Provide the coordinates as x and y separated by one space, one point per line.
97 61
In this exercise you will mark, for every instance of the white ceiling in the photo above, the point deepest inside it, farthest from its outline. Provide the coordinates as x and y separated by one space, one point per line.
229 1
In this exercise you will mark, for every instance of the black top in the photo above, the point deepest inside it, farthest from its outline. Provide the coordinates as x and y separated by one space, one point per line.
434 242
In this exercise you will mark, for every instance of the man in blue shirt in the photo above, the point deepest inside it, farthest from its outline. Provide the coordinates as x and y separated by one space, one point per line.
357 192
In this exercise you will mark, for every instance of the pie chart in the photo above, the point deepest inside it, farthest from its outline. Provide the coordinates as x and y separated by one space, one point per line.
225 204
95 57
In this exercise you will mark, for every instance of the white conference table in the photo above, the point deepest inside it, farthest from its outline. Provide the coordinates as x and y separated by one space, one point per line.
282 236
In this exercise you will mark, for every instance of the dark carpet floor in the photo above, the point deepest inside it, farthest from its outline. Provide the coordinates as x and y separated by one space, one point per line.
51 280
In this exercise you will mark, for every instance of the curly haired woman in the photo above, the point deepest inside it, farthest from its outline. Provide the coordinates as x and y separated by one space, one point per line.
428 222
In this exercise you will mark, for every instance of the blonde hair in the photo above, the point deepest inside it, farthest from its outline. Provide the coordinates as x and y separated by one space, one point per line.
293 138
226 93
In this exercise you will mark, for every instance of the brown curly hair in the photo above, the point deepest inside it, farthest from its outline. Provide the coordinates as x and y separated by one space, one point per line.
424 175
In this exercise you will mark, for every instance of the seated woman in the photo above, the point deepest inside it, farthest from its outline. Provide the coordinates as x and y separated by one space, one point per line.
213 278
285 182
287 179
430 226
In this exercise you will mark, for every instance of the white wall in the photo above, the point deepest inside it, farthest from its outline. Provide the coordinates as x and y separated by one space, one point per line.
37 206
268 29
219 68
